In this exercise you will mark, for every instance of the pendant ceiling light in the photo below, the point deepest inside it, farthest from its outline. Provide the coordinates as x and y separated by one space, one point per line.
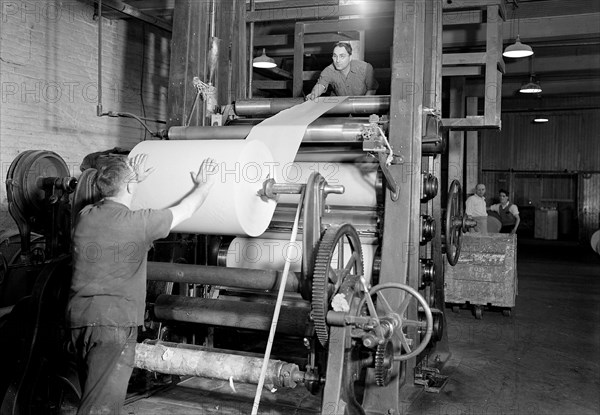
263 61
517 49
531 87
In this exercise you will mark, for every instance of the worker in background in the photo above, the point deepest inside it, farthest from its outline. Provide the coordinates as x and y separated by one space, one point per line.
346 76
107 297
509 213
475 208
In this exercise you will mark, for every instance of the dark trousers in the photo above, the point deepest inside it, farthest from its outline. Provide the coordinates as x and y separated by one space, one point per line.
105 357
507 228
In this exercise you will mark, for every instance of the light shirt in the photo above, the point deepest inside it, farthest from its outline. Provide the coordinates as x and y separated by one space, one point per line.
360 79
475 206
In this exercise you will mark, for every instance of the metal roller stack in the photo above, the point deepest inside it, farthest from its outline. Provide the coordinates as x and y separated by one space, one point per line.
356 316
204 290
336 256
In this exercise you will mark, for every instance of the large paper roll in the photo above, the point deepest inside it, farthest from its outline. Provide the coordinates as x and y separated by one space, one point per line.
359 181
233 206
267 253
264 253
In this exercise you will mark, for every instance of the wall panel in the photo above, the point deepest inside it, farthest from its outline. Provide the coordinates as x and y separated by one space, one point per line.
588 206
49 81
556 164
567 143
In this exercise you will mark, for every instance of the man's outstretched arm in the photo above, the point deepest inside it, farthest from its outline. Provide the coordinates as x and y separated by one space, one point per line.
203 182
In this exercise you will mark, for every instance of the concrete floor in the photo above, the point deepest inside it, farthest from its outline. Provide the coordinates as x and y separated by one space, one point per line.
544 359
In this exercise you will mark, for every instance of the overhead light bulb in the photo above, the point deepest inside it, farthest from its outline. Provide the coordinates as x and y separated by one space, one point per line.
540 119
517 50
263 61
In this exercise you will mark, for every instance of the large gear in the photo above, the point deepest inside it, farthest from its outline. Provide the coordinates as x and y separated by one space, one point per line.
328 277
384 360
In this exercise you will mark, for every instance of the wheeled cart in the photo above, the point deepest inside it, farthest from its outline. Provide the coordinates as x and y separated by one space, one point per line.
485 274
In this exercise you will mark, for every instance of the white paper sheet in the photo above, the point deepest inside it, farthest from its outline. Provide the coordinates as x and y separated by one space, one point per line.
233 206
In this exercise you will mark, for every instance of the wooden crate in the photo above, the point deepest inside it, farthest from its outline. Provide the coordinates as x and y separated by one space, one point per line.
546 224
486 271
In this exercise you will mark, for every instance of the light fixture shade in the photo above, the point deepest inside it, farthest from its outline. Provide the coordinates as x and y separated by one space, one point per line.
263 61
540 119
531 87
517 50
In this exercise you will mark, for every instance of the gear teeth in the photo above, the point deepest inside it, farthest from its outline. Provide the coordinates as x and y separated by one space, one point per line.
381 371
320 283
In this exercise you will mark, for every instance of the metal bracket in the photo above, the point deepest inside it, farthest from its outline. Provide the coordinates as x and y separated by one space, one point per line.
430 378
375 141
271 189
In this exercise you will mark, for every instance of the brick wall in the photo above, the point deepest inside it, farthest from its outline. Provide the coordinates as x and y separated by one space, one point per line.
49 81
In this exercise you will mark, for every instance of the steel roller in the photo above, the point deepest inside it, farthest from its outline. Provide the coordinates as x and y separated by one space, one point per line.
331 130
371 104
228 277
254 315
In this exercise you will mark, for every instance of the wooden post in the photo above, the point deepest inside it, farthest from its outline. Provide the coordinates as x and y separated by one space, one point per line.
402 218
472 150
493 76
298 81
191 41
456 139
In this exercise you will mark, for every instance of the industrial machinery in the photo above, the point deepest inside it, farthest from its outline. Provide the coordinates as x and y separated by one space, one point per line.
359 304
346 324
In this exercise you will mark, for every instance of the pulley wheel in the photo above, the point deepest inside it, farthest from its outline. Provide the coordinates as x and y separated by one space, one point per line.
24 175
454 222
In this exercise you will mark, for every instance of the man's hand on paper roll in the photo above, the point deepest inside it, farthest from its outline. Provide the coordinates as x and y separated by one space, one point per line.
207 173
138 165
203 182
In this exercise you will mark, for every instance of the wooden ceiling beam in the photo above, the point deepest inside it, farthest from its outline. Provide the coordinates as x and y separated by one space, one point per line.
556 28
557 64
510 87
163 6
321 12
131 11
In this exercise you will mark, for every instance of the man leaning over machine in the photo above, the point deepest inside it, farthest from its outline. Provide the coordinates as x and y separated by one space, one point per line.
347 76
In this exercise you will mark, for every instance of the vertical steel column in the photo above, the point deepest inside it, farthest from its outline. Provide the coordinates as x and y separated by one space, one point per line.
250 53
402 221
